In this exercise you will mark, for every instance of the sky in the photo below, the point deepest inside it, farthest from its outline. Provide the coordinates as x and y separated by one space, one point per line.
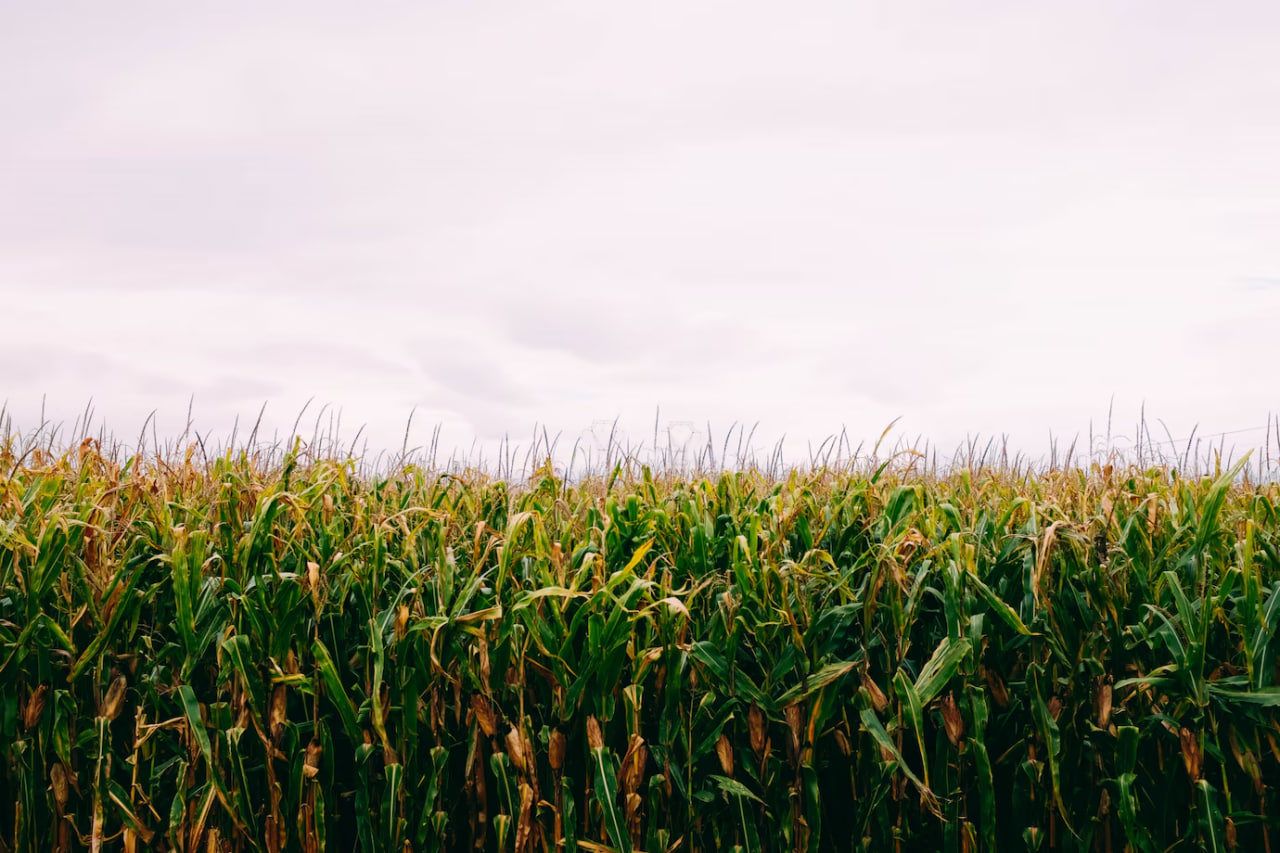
1002 218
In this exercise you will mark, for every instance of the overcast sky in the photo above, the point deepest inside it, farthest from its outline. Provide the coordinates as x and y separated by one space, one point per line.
981 217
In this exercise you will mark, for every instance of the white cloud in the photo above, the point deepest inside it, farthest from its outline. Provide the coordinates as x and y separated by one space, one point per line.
981 219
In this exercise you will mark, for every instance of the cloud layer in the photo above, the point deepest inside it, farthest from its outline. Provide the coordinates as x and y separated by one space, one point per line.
981 219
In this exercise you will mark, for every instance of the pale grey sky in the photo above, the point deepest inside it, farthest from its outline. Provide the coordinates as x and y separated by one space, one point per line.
984 217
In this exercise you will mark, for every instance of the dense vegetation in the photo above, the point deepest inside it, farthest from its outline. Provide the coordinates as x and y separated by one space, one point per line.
293 655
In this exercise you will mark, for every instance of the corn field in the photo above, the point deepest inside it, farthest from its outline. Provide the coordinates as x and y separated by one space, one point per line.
239 654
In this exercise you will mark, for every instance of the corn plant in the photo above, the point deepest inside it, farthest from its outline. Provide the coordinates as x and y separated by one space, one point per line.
297 655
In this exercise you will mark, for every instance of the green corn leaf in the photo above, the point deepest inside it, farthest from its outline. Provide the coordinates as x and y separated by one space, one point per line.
337 694
1003 611
1212 835
824 677
871 724
569 817
606 789
940 668
195 721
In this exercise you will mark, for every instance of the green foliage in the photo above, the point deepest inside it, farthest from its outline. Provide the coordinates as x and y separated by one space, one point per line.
297 657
